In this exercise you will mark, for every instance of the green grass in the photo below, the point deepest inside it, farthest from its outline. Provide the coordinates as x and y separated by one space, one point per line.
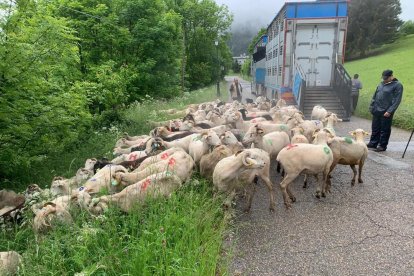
180 235
396 56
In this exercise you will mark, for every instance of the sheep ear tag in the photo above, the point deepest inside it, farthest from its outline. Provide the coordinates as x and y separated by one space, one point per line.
326 150
348 140
81 189
114 182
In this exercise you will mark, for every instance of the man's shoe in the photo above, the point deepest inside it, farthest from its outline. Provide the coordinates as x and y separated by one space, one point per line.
379 149
370 146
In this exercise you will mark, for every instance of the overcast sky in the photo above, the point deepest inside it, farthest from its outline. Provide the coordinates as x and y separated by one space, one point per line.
263 11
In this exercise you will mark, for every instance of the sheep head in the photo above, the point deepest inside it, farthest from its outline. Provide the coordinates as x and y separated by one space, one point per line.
249 161
252 134
211 138
228 138
48 214
89 163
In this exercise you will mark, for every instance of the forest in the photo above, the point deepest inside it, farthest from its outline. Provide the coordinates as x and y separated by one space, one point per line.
70 67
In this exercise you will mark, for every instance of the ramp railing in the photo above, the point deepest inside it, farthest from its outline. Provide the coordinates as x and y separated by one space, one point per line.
343 88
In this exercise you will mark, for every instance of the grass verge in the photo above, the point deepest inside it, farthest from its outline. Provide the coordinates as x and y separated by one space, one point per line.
179 235
394 56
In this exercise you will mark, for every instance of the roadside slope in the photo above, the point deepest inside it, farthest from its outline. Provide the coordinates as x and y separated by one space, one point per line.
396 56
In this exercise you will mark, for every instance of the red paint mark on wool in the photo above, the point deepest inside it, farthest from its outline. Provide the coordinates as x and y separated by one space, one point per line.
291 146
145 184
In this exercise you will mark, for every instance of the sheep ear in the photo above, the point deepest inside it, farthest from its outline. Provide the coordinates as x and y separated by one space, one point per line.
339 120
367 133
352 133
260 131
245 159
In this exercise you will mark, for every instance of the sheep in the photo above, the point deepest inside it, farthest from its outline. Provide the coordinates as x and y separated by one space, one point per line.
201 144
253 115
241 171
267 128
101 180
181 143
160 156
137 151
209 161
9 262
297 136
308 126
156 185
179 163
10 201
347 151
125 143
319 113
64 186
166 135
272 142
305 158
50 212
131 138
330 121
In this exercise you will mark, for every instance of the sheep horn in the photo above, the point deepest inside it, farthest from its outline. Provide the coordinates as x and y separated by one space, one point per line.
246 161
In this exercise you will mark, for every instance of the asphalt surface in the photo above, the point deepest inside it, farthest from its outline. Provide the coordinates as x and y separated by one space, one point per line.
367 229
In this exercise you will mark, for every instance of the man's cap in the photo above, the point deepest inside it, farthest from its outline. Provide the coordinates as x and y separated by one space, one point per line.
387 73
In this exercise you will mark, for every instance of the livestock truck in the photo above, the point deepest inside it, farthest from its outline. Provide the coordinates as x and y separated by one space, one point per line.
300 57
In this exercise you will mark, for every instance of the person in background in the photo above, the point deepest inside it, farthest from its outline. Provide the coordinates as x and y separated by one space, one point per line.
356 86
383 105
236 90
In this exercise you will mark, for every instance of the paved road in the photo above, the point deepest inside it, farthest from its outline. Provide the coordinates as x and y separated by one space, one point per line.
363 230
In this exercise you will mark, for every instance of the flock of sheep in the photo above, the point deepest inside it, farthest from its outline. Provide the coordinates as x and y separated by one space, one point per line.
232 144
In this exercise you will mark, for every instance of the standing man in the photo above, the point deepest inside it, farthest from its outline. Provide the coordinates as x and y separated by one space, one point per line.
384 103
356 85
236 90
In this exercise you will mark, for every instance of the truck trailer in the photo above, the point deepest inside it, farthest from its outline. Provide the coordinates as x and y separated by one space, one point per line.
300 58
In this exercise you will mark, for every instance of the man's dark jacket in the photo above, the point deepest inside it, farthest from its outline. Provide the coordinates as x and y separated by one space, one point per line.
387 97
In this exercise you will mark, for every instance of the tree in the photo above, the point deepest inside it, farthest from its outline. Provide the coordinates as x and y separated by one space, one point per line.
407 28
39 113
236 66
372 23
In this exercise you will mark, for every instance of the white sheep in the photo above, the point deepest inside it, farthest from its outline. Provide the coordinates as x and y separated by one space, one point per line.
331 121
156 185
179 163
305 158
156 158
298 137
238 172
347 151
10 262
101 180
56 211
209 161
64 186
318 113
202 143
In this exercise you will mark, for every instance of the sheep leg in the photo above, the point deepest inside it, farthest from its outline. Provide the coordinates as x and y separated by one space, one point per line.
322 184
251 190
227 202
361 165
355 174
305 181
283 186
269 185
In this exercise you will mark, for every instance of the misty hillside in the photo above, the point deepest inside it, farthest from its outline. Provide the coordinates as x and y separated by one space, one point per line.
242 34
